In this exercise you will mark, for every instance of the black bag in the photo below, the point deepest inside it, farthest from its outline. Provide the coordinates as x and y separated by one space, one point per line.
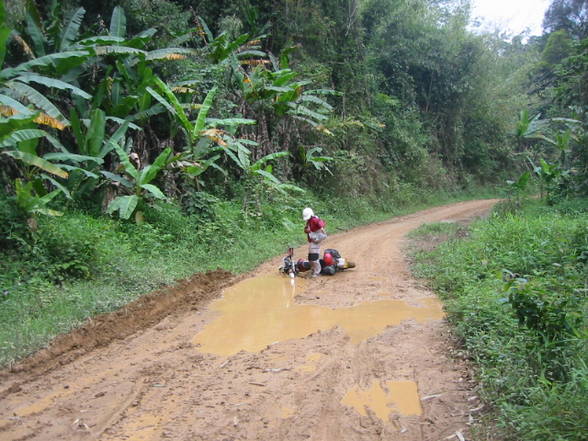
333 253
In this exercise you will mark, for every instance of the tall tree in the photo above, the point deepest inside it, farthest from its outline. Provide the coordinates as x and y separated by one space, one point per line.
568 15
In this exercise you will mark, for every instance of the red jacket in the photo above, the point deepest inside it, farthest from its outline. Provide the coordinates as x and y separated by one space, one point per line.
313 224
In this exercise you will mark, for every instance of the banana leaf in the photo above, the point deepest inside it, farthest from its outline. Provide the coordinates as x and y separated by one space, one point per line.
156 192
50 60
117 178
130 169
20 136
72 157
38 162
150 172
53 83
125 205
33 96
71 31
118 22
15 105
171 103
201 119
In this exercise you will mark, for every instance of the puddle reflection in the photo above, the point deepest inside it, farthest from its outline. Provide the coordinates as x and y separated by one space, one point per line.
400 397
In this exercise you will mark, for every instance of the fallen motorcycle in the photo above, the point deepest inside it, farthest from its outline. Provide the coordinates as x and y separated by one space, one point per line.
331 263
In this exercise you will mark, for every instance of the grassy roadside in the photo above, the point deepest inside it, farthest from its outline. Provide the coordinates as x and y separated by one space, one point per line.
79 265
515 289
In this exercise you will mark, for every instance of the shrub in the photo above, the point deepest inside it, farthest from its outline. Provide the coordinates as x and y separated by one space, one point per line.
13 222
66 247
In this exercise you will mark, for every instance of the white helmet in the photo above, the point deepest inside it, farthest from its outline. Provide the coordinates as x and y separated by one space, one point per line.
307 213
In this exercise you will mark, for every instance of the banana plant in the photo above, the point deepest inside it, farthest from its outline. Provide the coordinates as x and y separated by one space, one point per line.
31 203
22 106
517 189
125 67
286 95
244 48
137 181
312 157
205 137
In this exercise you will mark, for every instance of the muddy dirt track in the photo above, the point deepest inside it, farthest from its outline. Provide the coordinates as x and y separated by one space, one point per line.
362 355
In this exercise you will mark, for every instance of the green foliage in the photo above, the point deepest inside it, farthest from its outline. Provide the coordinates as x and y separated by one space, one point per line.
515 291
516 193
28 199
66 249
13 227
139 182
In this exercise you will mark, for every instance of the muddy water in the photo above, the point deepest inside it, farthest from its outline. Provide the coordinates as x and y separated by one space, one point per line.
399 397
260 311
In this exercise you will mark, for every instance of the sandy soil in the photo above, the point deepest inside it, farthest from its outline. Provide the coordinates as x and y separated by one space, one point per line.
326 359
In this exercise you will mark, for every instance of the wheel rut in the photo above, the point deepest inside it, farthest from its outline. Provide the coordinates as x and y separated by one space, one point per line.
319 359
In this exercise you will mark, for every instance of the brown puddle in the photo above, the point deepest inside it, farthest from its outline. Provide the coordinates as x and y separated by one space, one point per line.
260 311
402 397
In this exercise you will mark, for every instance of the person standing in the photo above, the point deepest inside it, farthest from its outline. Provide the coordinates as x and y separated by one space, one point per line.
315 233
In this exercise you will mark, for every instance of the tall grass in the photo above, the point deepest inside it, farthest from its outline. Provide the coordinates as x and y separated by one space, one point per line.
516 293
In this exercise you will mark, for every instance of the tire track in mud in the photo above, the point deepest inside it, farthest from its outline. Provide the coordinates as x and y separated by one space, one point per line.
155 383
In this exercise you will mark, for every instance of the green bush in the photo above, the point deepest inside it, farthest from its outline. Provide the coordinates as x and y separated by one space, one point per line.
516 292
13 222
66 247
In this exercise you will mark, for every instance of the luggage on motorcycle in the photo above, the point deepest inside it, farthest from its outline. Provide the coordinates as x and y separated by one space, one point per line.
333 253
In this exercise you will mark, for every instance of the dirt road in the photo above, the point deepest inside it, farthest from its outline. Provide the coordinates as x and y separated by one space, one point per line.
362 355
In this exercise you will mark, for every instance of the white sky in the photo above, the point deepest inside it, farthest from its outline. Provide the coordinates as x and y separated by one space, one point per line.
512 16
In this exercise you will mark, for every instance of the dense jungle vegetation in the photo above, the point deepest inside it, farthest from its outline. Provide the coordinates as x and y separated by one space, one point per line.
144 140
